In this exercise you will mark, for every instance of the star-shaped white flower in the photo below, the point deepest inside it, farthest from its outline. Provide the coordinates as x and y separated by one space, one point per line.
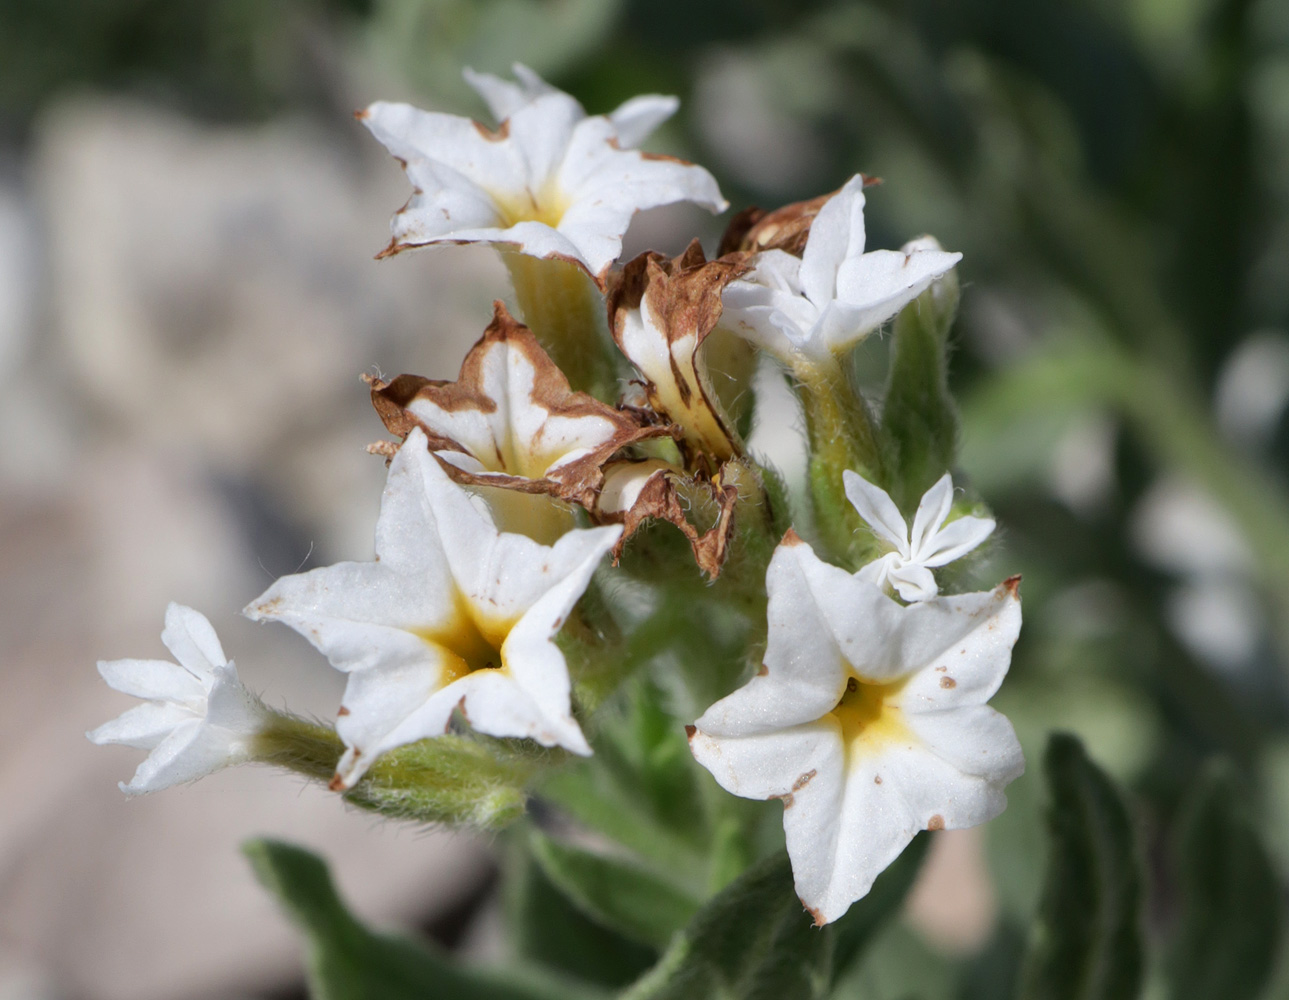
633 120
550 182
453 614
834 294
197 718
929 545
868 719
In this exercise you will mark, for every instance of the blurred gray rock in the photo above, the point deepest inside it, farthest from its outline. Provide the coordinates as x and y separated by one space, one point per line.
184 421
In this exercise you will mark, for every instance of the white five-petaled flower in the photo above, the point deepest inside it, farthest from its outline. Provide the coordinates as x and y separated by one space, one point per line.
868 719
453 614
551 181
835 293
633 120
197 718
930 544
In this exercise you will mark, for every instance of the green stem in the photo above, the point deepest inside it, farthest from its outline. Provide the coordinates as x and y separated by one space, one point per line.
565 310
841 435
462 780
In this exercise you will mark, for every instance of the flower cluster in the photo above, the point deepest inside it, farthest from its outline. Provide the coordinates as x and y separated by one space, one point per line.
611 419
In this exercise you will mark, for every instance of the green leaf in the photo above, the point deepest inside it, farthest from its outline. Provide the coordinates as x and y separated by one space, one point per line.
753 941
869 915
349 962
1226 943
919 417
1086 943
626 897
546 928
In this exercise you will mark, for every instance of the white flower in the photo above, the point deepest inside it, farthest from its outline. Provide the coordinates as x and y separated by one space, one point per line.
550 181
835 293
868 719
452 615
930 544
633 120
198 716
510 419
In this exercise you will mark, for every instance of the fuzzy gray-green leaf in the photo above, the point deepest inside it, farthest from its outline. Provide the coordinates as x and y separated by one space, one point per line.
626 897
1226 942
349 962
753 941
1086 943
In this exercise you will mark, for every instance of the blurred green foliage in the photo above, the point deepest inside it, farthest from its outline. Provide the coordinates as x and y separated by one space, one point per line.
1116 173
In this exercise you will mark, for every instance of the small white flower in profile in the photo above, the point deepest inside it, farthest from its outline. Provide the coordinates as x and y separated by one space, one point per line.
550 182
868 719
634 120
930 544
453 614
197 718
834 294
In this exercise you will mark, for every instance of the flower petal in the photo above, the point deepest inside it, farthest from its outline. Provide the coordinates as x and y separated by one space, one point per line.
975 739
938 794
660 312
876 286
154 679
191 637
775 764
193 750
356 613
933 508
964 648
877 508
844 828
391 704
504 574
606 186
913 582
836 236
143 726
635 119
956 539
535 665
231 707
804 674
498 705
360 615
767 308
512 412
505 98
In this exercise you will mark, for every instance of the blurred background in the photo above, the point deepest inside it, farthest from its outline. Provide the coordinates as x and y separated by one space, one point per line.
188 215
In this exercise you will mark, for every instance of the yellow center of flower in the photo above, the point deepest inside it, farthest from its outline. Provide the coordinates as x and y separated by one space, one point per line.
870 719
547 205
470 641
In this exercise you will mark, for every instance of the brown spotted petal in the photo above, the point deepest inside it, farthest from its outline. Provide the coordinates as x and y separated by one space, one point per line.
635 492
662 311
510 419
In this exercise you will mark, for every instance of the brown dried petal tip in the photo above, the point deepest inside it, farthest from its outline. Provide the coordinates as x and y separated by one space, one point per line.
528 456
663 341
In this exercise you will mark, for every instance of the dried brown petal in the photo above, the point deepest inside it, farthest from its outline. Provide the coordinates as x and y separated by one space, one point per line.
661 311
511 420
635 492
786 228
